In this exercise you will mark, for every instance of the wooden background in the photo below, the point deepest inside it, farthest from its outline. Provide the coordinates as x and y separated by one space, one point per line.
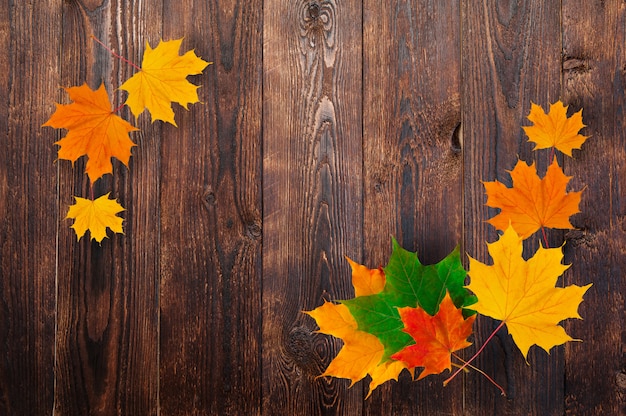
326 127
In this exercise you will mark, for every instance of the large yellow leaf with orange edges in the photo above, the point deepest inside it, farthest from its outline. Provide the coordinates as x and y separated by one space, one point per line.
93 130
555 129
522 293
333 319
436 337
96 216
163 80
361 353
533 202
366 281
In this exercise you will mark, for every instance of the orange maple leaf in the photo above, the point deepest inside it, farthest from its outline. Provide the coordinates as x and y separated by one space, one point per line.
366 281
361 353
522 293
436 337
93 130
532 202
555 129
163 80
96 216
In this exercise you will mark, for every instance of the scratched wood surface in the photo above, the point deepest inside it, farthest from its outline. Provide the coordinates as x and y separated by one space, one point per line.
325 128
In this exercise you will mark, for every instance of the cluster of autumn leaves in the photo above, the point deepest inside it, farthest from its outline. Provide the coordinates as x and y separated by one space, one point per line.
408 315
96 131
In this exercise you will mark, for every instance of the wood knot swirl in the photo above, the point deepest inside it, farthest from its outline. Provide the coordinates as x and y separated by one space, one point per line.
318 29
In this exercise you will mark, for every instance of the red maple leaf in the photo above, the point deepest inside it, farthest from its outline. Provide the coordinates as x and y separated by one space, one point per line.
436 337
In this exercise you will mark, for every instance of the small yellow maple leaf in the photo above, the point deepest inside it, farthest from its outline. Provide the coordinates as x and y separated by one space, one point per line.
522 293
532 202
95 216
163 80
555 129
93 130
366 281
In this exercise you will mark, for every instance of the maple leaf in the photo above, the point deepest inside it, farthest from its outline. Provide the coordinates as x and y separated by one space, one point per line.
408 283
163 80
366 281
436 337
95 216
361 353
555 129
532 202
522 293
93 130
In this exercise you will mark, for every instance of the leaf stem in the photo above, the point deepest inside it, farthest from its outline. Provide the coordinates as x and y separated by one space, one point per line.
118 108
545 238
118 56
91 190
467 363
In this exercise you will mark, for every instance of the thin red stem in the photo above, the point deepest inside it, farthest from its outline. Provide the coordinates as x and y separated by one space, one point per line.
481 372
467 363
91 191
118 108
120 57
545 238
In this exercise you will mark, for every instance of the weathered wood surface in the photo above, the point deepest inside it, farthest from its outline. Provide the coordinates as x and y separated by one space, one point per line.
412 158
326 127
506 46
312 194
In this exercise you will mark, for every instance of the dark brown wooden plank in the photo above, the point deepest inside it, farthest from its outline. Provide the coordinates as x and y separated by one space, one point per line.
28 80
413 163
593 78
211 218
107 317
312 191
510 57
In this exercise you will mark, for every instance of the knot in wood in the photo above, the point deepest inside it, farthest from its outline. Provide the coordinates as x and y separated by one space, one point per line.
313 10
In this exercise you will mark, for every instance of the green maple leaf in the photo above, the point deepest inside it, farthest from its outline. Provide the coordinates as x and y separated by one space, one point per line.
409 283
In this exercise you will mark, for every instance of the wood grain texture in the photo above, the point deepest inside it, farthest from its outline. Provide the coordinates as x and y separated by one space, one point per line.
325 127
27 207
412 158
594 70
107 314
511 52
312 173
211 218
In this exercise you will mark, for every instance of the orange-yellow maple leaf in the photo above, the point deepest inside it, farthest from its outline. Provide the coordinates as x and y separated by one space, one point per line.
522 293
93 130
361 353
532 202
163 80
436 337
366 281
555 129
96 216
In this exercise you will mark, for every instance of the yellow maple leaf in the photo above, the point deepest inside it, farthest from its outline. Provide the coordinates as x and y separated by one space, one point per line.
555 129
95 216
333 319
522 293
366 281
361 353
163 80
385 371
93 130
533 202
